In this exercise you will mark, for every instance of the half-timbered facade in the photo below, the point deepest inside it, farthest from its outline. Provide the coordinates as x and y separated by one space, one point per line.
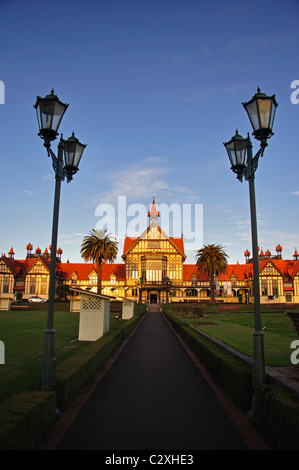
153 270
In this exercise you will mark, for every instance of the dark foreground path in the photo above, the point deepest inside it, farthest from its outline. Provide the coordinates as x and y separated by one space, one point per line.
153 397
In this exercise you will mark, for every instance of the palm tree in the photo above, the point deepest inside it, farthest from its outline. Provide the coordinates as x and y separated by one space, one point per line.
99 247
211 259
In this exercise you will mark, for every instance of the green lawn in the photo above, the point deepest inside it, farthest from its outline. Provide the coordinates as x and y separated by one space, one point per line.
23 335
236 329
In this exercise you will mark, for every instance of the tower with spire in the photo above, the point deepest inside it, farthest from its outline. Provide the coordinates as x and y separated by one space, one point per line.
153 215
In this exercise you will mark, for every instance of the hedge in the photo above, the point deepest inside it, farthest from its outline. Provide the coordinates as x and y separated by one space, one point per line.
74 373
24 418
276 417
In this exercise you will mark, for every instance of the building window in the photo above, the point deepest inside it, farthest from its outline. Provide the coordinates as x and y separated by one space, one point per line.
5 287
172 271
43 288
93 279
154 271
32 286
275 286
132 271
264 287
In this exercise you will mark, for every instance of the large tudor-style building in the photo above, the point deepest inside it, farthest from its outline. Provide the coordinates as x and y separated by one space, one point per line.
153 270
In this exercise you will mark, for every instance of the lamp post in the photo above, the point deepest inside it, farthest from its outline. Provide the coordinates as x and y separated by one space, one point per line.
50 112
261 112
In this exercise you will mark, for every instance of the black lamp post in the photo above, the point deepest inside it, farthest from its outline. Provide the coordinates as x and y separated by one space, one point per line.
261 111
50 112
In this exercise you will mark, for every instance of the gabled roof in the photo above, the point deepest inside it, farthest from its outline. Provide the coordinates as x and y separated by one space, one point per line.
29 263
11 264
177 242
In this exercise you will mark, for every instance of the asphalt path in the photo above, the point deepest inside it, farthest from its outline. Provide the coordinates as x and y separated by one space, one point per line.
154 397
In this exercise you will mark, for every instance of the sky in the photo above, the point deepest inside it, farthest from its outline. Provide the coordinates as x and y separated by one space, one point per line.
154 89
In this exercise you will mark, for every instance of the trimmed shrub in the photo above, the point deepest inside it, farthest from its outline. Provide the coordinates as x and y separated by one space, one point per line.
25 418
276 416
74 373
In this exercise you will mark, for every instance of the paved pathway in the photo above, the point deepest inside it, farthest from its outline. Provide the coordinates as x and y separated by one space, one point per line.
153 397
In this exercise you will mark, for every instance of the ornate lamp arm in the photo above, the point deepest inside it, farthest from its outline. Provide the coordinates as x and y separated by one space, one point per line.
57 162
252 162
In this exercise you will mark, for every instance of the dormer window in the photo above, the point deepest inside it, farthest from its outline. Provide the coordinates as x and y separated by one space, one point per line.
93 278
74 278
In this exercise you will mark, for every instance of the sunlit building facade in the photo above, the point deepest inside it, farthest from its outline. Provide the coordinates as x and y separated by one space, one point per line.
153 270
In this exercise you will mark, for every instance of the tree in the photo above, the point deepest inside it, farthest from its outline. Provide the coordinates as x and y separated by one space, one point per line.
62 292
99 247
212 260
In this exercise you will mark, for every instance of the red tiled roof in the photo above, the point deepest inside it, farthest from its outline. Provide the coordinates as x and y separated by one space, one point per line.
128 243
179 243
190 269
83 270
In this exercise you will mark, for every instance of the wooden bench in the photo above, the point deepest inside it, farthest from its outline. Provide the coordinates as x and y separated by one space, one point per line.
181 310
229 307
187 311
294 316
115 308
200 317
282 306
19 307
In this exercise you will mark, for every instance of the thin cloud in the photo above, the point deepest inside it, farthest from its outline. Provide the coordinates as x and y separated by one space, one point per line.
144 179
266 41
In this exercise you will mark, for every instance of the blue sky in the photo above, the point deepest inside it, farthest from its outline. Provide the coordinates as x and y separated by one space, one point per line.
154 89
